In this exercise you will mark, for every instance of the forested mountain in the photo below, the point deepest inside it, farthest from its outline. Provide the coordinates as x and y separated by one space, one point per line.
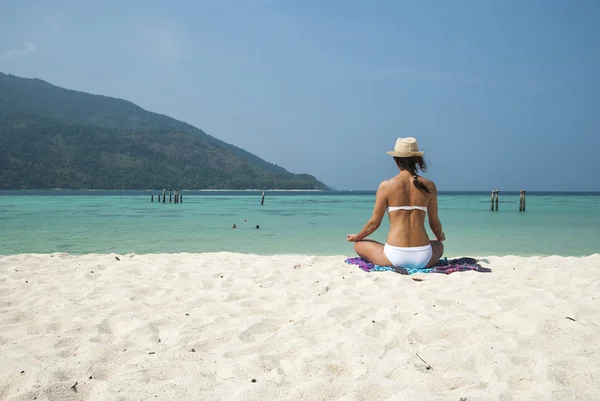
52 137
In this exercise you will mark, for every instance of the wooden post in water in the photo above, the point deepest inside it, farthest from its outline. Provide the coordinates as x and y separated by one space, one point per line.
176 196
158 198
152 198
262 201
521 201
181 197
170 195
164 195
497 192
524 198
494 205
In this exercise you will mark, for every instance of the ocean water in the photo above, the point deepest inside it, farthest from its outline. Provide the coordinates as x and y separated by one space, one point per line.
313 223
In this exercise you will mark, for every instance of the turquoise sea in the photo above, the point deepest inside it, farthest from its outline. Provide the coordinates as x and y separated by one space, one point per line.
314 223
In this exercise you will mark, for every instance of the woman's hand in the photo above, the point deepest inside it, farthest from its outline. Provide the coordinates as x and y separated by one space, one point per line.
442 237
352 237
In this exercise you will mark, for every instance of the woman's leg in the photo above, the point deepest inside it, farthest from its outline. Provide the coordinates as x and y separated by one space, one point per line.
438 250
372 251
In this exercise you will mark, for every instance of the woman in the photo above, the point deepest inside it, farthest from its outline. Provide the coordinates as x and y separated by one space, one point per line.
407 198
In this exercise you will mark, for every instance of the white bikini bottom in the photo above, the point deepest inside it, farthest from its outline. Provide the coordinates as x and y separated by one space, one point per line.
415 257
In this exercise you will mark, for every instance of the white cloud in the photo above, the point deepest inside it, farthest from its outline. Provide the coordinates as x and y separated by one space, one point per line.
28 48
53 21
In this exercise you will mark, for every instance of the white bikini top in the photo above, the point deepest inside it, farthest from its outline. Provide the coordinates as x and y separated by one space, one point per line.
392 208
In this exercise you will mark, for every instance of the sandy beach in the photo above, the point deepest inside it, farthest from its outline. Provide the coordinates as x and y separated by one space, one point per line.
225 326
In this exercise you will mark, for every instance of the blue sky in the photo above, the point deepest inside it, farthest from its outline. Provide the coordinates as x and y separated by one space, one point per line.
500 94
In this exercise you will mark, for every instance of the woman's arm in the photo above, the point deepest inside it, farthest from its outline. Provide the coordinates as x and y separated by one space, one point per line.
432 214
375 220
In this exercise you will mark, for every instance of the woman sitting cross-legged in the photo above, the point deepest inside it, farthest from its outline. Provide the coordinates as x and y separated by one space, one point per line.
407 198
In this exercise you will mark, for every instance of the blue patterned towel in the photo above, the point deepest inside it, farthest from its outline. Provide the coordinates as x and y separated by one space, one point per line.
445 266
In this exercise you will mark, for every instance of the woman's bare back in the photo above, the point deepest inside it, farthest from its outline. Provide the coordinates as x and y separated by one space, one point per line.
407 227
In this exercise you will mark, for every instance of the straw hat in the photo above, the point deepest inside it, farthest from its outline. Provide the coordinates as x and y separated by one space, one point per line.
406 147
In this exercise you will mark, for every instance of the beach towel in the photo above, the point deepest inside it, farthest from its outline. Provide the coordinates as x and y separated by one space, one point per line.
445 266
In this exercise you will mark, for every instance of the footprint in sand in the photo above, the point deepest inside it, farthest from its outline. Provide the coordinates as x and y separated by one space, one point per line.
340 311
265 326
104 327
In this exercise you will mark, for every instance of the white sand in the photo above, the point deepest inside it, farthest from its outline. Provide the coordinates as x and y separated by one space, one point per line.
305 328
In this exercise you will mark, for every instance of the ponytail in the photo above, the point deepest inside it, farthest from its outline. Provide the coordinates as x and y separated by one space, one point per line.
419 184
412 164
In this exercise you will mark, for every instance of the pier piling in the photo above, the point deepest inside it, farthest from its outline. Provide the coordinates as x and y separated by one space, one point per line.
521 201
262 201
177 193
522 196
496 203
494 200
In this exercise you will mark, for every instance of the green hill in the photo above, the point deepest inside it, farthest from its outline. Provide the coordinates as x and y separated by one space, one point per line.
52 137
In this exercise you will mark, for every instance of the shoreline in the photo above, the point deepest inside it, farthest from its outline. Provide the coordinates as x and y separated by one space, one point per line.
247 327
341 257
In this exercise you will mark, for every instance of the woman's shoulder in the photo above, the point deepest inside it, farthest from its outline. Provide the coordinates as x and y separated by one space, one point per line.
386 186
429 184
389 182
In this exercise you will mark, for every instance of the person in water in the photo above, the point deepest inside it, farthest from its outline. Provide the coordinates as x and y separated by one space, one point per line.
407 198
